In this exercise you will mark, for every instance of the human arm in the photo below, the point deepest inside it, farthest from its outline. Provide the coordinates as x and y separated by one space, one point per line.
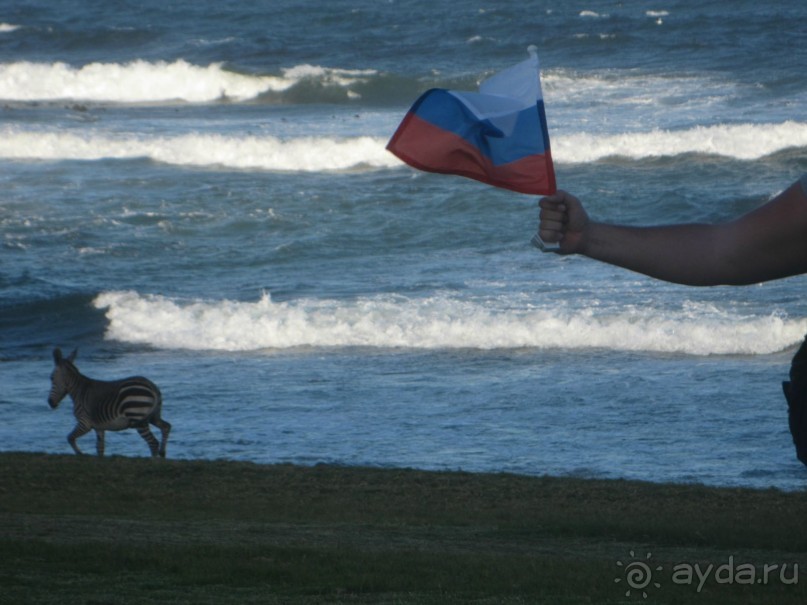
767 243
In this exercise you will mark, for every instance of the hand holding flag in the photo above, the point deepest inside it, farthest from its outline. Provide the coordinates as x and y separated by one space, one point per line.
498 135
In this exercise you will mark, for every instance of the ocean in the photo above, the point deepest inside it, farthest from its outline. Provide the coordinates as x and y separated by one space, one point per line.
199 192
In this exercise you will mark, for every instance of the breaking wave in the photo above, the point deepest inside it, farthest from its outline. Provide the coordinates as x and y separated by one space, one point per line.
154 82
435 323
328 153
305 154
738 141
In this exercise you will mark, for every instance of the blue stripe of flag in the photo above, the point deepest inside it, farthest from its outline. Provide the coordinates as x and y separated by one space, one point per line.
527 134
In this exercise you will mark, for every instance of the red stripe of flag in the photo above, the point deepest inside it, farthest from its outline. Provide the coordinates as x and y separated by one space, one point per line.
430 148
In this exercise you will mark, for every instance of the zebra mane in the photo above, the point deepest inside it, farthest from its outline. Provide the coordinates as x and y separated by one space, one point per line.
70 366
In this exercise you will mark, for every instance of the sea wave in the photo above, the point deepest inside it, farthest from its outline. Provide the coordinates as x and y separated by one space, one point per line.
633 87
142 81
303 154
738 141
153 82
333 153
434 323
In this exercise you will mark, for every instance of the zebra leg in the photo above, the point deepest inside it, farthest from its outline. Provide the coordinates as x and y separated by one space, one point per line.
165 429
145 433
99 442
77 432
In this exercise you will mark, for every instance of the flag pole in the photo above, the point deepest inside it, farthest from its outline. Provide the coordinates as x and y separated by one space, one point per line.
542 245
536 240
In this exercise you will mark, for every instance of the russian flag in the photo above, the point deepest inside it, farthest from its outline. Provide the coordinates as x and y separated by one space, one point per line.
498 135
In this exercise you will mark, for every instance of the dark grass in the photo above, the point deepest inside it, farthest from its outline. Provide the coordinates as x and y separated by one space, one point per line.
122 530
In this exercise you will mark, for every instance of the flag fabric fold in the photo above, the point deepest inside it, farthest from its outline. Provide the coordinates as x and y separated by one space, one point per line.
498 135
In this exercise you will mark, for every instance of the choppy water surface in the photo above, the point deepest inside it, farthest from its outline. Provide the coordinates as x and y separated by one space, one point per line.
200 193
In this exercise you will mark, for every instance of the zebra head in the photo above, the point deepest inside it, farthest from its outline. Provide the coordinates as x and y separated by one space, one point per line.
60 379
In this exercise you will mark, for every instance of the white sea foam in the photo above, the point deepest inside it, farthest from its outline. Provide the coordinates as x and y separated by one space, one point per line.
326 75
328 153
8 28
658 96
739 141
305 154
593 14
585 84
146 82
435 323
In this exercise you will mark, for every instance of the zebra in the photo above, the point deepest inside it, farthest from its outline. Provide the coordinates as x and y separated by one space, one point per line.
116 405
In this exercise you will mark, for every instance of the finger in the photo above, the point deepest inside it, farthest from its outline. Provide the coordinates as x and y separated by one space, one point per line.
550 236
553 215
558 196
556 226
551 204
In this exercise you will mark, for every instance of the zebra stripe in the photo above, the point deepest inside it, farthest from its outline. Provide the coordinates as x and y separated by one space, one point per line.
136 401
101 405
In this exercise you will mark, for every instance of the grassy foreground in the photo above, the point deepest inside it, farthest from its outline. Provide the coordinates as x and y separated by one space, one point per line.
127 530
